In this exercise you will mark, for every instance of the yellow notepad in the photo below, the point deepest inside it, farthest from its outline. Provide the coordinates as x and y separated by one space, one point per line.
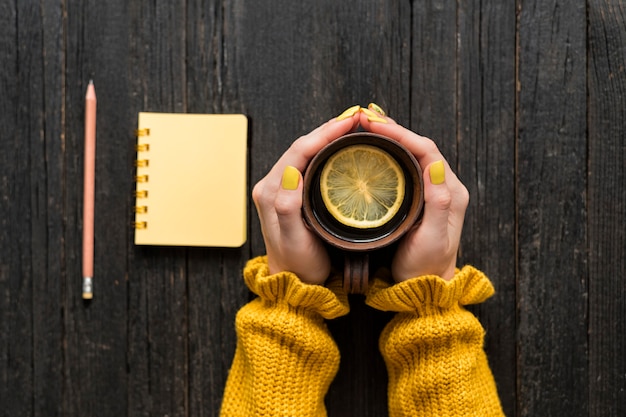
191 179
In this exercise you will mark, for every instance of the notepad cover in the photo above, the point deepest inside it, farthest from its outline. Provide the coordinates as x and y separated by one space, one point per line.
191 179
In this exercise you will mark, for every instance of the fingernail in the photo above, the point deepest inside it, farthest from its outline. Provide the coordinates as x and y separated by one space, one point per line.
349 112
373 117
376 119
437 173
291 178
375 107
369 113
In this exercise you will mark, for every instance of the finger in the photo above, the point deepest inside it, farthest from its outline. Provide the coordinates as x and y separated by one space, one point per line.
424 149
426 250
288 204
299 251
437 202
373 115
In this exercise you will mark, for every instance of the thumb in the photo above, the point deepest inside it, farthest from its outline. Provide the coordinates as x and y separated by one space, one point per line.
425 250
437 201
288 205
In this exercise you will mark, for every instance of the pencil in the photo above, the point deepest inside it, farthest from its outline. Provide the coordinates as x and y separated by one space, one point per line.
89 190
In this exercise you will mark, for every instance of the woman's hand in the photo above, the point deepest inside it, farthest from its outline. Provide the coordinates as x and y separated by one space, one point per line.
289 243
432 247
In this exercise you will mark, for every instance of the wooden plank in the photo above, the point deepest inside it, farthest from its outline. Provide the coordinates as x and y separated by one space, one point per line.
607 207
486 162
216 291
344 55
551 208
96 333
158 328
34 232
158 311
434 73
17 36
48 221
215 286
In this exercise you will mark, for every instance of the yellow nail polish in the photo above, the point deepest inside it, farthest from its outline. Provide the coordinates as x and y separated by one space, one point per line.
369 113
437 173
375 107
349 112
373 117
376 119
291 178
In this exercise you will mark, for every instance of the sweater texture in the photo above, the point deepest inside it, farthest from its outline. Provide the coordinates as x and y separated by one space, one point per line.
286 358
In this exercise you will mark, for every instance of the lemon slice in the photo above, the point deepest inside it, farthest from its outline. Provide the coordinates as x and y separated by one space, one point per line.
362 186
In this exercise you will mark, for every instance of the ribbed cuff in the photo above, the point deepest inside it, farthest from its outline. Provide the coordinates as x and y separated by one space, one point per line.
468 286
285 287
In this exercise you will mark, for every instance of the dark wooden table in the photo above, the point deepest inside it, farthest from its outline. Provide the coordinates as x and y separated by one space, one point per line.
527 100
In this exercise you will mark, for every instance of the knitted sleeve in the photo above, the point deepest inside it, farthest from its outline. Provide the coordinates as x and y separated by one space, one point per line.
433 347
285 358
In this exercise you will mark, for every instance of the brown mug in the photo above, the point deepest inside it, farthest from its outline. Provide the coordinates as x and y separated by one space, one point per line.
359 244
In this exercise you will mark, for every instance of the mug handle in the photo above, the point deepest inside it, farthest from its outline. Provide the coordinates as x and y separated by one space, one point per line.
356 272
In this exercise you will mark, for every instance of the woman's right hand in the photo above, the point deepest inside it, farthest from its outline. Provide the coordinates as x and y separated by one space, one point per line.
290 245
431 248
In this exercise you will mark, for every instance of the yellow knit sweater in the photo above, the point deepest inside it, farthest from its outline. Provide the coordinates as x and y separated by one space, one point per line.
286 359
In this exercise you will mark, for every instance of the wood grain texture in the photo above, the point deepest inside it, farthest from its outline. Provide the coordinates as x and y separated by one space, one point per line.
524 98
486 165
158 333
552 209
215 288
16 273
607 207
434 73
48 256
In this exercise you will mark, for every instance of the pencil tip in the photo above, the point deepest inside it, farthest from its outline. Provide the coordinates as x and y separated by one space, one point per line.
90 81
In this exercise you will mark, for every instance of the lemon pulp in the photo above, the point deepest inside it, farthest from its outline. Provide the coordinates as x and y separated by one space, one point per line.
362 186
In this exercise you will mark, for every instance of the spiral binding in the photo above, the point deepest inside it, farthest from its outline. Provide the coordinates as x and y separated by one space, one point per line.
142 163
143 178
140 225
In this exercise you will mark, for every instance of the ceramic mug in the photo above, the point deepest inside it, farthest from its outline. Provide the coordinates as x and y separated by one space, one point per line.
359 244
